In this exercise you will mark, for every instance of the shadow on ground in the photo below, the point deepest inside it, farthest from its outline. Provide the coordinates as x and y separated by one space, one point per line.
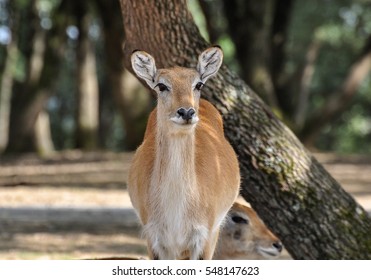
75 205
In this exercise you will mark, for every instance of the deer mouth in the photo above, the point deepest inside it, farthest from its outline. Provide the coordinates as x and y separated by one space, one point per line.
184 123
269 253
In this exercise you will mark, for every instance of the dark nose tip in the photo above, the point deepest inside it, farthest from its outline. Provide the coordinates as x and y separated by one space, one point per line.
278 246
186 114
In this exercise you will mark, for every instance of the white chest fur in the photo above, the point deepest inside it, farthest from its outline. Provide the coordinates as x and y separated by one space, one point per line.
172 226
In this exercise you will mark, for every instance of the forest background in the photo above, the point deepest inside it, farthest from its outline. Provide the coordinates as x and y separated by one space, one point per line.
63 84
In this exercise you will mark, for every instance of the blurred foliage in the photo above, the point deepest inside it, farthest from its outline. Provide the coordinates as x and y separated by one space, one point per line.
199 18
342 33
351 133
341 27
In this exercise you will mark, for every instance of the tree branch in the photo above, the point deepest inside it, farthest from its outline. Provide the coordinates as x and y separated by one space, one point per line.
304 85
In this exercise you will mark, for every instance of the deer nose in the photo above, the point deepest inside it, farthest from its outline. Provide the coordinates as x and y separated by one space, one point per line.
278 246
186 114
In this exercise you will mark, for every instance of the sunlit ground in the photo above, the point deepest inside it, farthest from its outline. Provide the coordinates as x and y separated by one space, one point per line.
97 181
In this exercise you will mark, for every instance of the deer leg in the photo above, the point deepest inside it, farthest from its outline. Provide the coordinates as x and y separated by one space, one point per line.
151 252
197 242
210 245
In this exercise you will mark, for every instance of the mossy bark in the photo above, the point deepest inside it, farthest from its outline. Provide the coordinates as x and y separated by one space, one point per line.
294 195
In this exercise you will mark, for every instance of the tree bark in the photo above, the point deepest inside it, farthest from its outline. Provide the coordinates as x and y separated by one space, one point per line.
294 195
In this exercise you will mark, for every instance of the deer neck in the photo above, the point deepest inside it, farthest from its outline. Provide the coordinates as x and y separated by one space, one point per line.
175 156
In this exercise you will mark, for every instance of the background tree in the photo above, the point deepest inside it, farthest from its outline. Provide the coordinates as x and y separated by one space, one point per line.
131 98
285 184
31 92
87 81
6 93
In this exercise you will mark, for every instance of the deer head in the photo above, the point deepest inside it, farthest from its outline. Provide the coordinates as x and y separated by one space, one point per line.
178 89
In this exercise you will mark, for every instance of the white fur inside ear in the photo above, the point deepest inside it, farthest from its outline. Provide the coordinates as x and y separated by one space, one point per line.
144 66
209 62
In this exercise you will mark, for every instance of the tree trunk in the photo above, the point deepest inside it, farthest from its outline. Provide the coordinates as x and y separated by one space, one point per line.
250 25
294 195
211 9
6 94
26 102
281 19
131 97
43 138
278 40
29 97
87 84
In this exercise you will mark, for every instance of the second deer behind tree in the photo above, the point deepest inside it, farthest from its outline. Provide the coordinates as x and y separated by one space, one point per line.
185 176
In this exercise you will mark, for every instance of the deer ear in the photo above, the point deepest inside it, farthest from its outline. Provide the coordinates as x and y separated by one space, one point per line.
209 62
144 66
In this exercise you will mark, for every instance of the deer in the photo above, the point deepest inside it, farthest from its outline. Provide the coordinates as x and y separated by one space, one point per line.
245 236
185 176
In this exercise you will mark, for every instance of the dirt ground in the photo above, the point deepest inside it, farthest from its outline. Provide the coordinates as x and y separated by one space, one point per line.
75 205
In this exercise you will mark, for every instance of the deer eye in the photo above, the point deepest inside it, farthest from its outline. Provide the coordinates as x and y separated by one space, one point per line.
162 87
239 220
199 86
